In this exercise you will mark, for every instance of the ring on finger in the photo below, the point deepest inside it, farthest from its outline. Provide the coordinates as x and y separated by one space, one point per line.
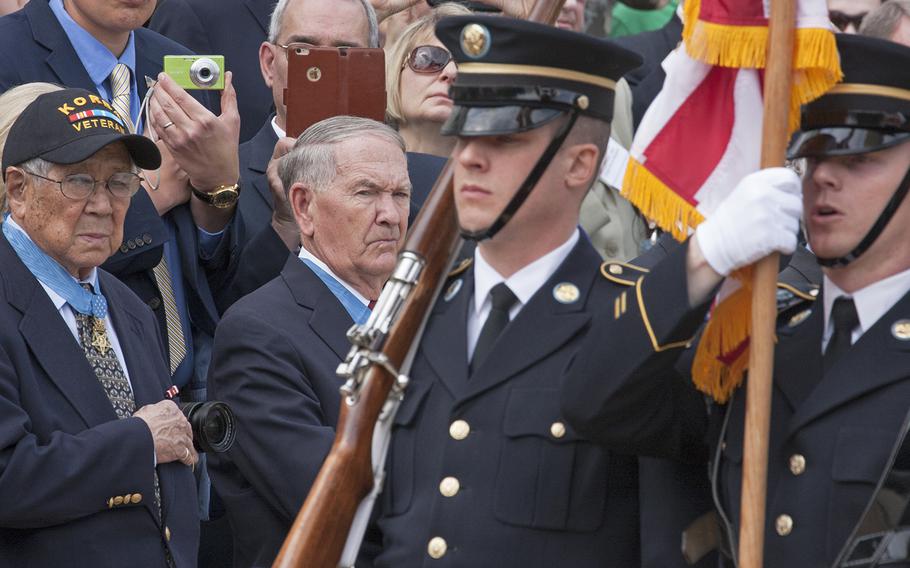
186 453
168 125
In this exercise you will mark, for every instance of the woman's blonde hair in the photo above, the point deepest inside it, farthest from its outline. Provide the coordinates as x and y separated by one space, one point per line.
397 54
12 103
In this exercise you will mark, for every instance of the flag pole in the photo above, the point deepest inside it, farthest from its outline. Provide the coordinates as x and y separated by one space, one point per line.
778 80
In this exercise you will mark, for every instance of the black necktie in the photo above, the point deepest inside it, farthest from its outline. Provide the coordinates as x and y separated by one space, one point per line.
503 299
843 313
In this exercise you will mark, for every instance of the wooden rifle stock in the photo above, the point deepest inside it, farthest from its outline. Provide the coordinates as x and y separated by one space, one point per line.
319 533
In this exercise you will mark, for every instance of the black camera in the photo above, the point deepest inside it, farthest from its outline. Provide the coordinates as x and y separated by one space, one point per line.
212 424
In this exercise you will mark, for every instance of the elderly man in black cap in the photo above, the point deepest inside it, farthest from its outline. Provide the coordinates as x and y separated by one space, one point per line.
94 462
483 470
842 361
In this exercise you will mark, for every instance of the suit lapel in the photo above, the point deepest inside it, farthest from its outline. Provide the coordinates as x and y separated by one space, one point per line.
445 341
329 319
798 357
263 145
146 65
62 60
877 359
52 343
261 10
543 325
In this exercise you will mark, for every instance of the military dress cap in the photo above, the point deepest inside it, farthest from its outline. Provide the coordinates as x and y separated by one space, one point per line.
868 111
515 75
69 126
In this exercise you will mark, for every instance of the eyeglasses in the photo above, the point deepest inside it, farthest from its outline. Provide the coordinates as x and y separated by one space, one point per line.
428 59
841 20
302 47
122 185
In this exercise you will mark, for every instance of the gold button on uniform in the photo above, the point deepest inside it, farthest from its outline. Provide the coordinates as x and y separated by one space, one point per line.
784 525
136 498
459 430
437 547
449 487
118 500
558 429
167 534
797 464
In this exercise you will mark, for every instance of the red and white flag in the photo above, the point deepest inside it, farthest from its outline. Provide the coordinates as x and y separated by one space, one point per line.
702 134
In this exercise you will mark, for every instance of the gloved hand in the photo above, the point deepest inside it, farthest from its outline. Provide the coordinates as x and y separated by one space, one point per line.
761 216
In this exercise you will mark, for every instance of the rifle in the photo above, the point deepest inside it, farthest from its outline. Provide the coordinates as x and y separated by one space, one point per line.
374 369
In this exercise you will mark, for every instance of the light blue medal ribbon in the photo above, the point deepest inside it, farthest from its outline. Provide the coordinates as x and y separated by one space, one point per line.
54 276
355 308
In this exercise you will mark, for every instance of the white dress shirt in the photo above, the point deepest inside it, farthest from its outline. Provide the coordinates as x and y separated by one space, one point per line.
872 302
523 284
278 130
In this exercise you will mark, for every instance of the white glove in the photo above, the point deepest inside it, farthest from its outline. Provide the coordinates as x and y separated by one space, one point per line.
761 216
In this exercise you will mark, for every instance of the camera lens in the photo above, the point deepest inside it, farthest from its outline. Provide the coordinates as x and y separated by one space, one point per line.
212 424
204 72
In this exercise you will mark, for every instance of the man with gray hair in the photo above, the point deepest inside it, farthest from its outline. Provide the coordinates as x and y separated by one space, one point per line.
276 349
889 21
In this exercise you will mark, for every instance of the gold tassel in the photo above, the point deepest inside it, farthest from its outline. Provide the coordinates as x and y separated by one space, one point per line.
658 202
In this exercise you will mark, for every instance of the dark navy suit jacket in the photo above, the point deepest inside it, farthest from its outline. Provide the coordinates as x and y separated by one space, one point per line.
34 47
531 492
234 29
64 455
276 351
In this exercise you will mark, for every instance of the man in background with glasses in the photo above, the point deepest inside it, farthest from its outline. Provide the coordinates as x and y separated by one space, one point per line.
95 464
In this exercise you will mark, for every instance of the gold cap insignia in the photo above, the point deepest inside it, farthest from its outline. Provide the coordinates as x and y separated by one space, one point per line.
901 329
475 40
799 318
566 293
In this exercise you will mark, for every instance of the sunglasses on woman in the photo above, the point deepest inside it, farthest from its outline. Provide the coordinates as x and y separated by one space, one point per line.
428 59
842 20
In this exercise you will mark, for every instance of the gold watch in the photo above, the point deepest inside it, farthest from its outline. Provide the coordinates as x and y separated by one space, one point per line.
222 197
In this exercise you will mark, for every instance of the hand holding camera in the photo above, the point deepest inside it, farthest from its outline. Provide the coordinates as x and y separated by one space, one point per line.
171 432
204 145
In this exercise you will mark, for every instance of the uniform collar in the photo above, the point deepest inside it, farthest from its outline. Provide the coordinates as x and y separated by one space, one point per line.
872 302
523 283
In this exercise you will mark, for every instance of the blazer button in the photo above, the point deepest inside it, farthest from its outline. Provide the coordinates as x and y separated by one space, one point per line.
784 525
136 498
437 547
558 430
154 303
131 244
449 487
118 500
459 430
167 534
124 249
797 464
110 503
147 238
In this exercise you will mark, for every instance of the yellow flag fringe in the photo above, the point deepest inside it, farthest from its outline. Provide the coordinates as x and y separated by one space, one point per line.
658 202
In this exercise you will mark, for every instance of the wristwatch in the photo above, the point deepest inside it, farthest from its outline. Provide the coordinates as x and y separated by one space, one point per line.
222 197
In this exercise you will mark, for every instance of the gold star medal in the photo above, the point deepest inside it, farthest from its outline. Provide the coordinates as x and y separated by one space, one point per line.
99 335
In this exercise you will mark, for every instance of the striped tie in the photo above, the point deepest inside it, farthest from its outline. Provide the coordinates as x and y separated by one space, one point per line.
120 93
176 342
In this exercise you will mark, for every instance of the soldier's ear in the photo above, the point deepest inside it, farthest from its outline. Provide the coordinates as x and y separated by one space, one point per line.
584 164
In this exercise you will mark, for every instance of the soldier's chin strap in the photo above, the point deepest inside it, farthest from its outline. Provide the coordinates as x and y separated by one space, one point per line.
525 189
877 227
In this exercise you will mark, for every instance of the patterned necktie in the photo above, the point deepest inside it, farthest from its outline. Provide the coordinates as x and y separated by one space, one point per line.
176 341
502 299
120 93
100 354
845 318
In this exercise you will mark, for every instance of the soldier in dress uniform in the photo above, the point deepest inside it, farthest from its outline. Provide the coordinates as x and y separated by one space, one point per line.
483 470
842 361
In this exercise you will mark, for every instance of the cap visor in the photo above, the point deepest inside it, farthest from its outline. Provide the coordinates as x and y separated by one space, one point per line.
142 150
842 141
491 121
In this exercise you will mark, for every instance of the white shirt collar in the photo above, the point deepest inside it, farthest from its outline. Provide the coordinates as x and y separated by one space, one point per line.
305 254
872 302
278 130
523 283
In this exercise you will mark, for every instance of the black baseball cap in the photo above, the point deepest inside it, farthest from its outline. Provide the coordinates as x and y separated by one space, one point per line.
515 75
868 111
69 126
